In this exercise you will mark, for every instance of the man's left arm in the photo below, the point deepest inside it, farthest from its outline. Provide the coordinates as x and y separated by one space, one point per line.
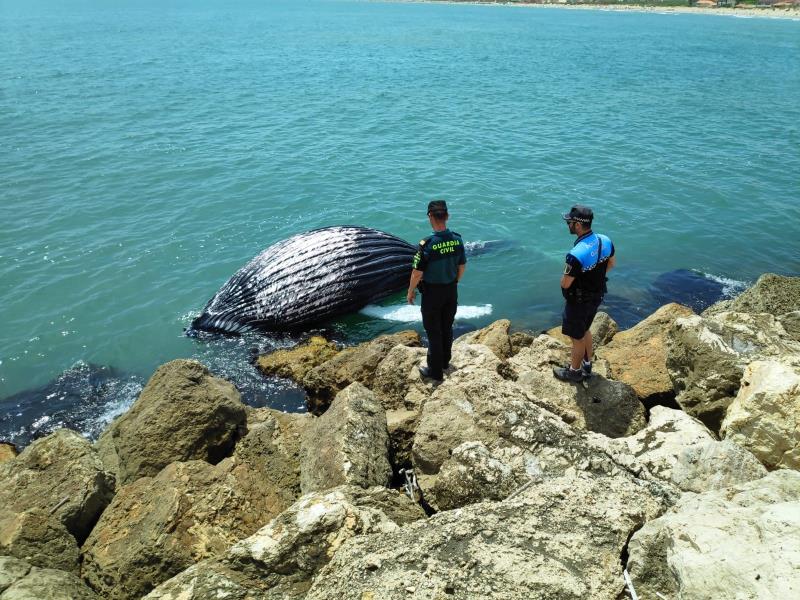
571 266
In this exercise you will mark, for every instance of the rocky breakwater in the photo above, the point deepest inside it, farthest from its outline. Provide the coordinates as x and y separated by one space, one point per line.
678 460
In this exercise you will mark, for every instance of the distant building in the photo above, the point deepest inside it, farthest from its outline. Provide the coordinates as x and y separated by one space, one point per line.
726 3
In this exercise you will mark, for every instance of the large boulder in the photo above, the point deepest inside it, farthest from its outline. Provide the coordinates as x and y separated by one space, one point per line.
737 542
765 415
707 356
494 336
599 404
295 363
558 539
182 414
266 462
349 444
358 363
36 537
397 382
791 323
603 330
157 527
50 497
280 561
21 581
680 450
773 294
476 404
638 356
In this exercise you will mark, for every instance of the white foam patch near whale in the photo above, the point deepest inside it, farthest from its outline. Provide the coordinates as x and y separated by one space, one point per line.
409 313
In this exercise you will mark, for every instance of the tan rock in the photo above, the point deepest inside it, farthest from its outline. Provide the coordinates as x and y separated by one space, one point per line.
495 336
349 444
266 462
280 561
183 413
397 383
34 536
638 356
60 476
516 549
765 415
7 452
773 294
358 363
294 363
601 405
157 527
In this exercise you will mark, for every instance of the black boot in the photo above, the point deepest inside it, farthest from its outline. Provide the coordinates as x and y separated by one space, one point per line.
426 372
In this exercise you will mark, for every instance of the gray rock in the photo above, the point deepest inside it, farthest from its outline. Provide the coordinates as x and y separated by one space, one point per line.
678 449
601 405
707 355
764 416
475 404
349 444
280 561
11 570
737 542
494 336
40 584
773 294
559 539
356 364
474 473
50 497
182 414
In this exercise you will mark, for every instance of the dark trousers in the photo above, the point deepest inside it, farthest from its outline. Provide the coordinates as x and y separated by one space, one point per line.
439 304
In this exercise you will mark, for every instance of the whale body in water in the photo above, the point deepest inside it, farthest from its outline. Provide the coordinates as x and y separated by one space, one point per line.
309 278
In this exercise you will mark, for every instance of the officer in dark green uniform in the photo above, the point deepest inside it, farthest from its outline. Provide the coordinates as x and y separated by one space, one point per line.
437 268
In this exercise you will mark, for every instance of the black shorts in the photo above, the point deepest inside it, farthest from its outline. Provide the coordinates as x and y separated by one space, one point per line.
577 318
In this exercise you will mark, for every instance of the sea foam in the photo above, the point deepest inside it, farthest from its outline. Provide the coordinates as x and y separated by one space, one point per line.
410 313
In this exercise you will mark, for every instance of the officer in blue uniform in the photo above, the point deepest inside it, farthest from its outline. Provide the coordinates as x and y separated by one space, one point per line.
583 285
437 268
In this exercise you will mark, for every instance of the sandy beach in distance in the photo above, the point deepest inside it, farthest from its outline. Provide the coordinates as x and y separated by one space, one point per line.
740 12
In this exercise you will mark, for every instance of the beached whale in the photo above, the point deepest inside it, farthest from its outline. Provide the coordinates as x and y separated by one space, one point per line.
309 278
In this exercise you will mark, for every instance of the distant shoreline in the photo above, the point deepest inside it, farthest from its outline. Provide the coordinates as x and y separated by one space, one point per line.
792 14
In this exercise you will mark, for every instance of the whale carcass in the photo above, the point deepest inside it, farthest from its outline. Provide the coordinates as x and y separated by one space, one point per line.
309 278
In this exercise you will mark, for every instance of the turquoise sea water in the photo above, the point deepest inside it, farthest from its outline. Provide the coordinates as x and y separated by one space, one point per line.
150 149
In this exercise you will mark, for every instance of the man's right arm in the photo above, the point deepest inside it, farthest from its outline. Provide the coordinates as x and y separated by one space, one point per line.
416 276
